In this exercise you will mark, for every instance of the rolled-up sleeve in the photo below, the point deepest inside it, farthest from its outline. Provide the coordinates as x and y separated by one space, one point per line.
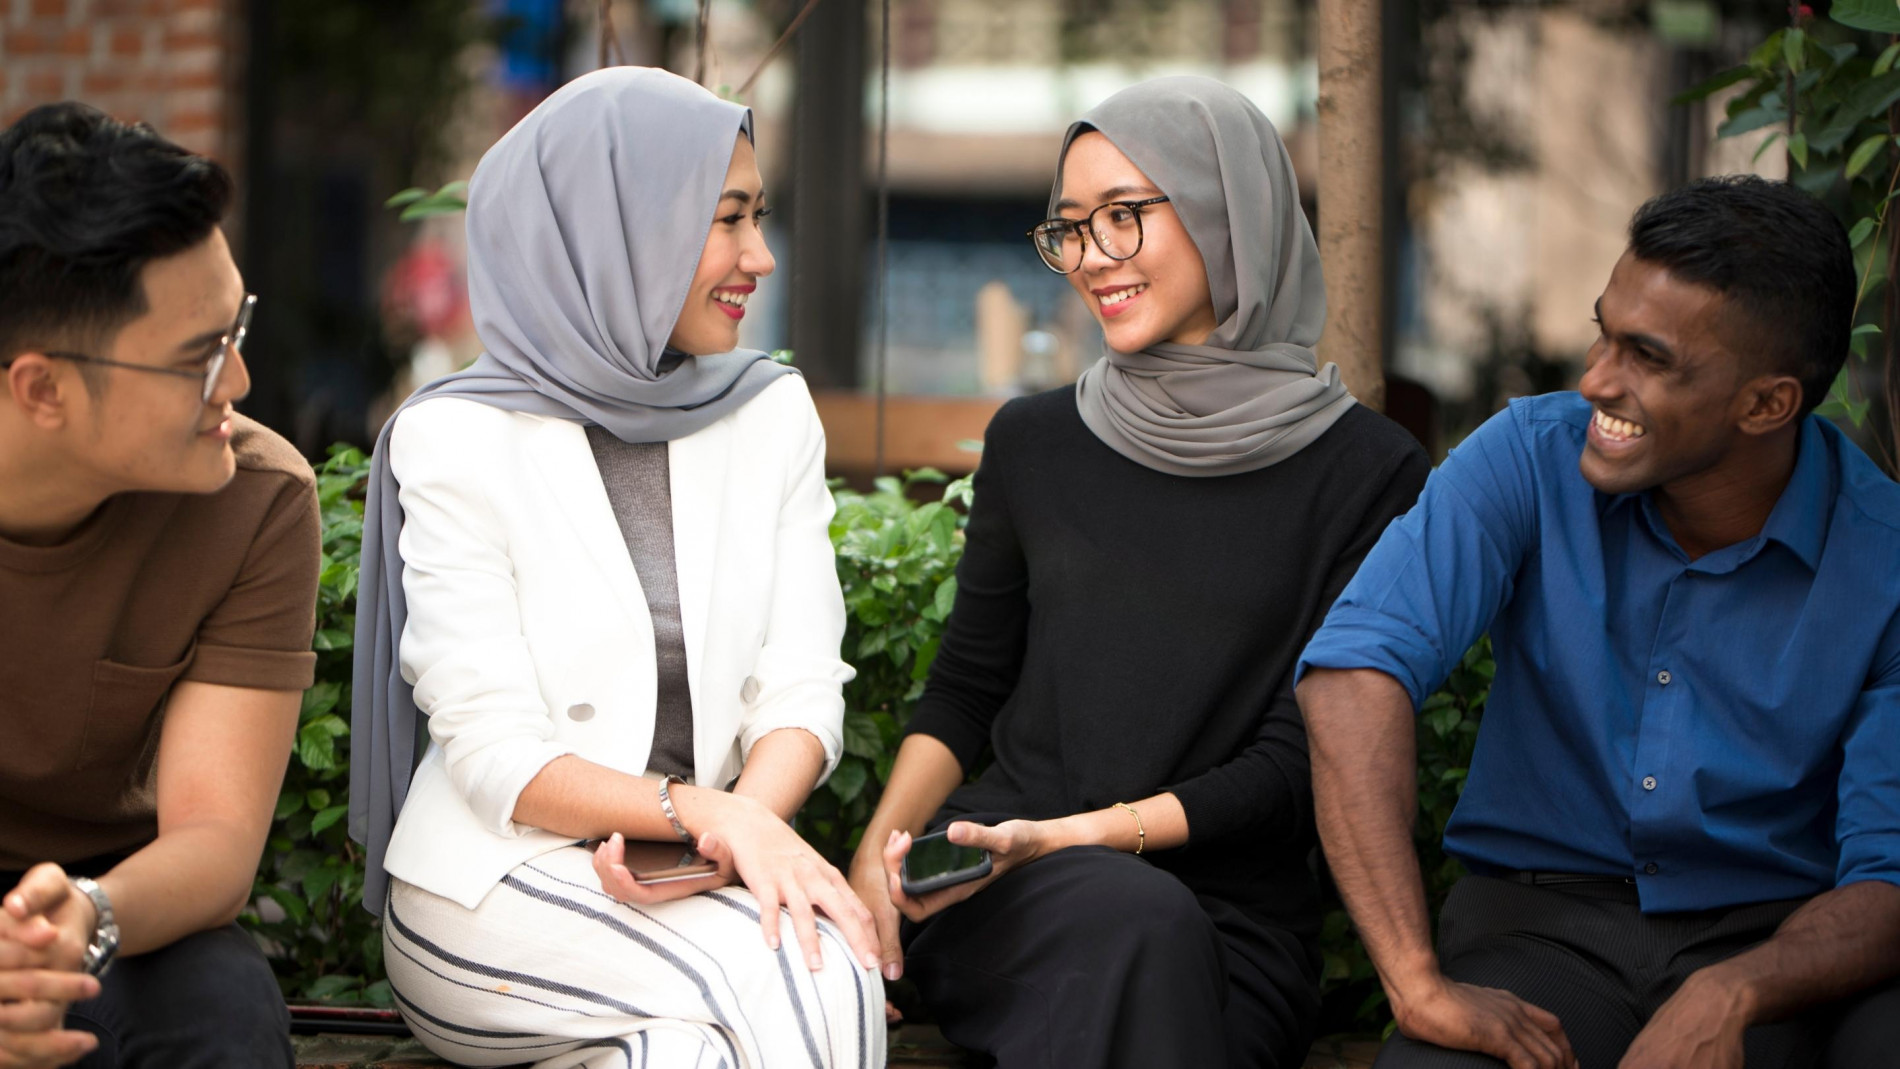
798 680
463 646
1440 573
1867 825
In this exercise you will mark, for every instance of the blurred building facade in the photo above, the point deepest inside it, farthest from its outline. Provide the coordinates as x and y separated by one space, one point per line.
1508 209
173 63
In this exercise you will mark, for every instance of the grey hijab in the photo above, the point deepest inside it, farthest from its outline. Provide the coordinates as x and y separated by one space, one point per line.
585 224
1254 394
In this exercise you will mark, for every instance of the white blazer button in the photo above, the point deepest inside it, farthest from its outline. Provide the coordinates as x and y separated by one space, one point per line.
583 711
749 689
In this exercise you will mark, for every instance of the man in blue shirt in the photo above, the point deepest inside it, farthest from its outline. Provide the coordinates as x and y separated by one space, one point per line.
1683 814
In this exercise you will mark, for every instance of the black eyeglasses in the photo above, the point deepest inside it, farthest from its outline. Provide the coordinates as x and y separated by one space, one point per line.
1117 234
231 344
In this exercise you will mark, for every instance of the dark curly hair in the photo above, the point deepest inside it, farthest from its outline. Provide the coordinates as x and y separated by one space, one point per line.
86 202
1777 254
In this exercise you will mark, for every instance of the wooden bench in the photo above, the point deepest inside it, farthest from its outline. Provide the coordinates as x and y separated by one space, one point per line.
911 1045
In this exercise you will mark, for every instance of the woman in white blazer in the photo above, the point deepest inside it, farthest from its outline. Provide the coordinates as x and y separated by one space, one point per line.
606 576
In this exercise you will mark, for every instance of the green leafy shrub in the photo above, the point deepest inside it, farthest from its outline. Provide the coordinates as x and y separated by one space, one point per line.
309 887
897 561
1829 89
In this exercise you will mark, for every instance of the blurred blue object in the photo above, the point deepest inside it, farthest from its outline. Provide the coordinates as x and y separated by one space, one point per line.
530 44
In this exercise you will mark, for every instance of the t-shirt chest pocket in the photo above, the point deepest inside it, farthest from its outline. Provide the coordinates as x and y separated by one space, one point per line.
125 701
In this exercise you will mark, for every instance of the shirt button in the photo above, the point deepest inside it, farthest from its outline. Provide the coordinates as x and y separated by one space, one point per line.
1650 869
1664 677
1649 783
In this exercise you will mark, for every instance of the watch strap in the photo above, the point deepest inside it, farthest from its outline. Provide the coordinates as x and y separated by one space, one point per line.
104 943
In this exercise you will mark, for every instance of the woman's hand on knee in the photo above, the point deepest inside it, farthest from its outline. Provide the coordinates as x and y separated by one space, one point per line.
782 870
1012 844
873 889
610 864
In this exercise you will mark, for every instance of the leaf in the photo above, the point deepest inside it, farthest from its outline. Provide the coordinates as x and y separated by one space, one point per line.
317 798
379 994
946 598
406 197
1879 16
318 882
1869 99
1794 50
328 817
320 699
326 988
1763 57
1766 143
1887 56
847 782
1753 119
1861 232
1863 155
329 639
926 656
861 737
316 741
1709 87
1798 149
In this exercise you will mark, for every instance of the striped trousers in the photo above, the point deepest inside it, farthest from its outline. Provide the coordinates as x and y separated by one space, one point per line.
550 970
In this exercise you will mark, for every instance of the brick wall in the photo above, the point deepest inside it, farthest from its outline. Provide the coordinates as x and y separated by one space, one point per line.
172 63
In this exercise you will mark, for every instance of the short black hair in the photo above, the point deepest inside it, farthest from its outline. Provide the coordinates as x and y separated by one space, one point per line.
86 202
1778 255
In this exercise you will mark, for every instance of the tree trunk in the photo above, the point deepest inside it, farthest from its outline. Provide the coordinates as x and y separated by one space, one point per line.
1351 208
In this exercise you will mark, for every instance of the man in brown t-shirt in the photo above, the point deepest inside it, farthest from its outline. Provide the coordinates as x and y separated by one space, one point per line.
158 569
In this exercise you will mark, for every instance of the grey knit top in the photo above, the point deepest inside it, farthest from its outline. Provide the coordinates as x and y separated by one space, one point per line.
636 475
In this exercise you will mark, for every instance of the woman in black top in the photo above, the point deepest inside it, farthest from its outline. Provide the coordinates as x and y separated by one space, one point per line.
1147 554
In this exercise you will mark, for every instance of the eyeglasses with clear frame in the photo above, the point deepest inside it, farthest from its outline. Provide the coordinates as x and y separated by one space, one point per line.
231 344
1117 234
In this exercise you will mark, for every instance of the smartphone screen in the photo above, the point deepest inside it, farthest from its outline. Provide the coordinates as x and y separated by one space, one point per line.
934 855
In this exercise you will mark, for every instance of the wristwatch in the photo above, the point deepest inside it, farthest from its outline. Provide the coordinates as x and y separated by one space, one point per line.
105 931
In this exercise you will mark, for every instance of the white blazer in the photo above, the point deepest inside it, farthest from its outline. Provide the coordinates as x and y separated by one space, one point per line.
529 637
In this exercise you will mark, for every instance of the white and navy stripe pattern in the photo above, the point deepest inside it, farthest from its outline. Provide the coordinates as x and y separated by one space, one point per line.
549 970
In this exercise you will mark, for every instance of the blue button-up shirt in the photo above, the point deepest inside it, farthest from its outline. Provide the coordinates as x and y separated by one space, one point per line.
1724 730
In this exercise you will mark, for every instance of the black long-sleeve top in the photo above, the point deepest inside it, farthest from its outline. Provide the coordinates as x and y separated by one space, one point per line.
1119 632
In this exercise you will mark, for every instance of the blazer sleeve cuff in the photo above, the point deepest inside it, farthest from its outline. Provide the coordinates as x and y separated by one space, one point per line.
820 714
493 798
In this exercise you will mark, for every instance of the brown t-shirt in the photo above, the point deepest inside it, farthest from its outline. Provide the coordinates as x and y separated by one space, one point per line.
151 589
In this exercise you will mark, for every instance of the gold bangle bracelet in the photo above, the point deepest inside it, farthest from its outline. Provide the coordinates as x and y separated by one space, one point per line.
1141 833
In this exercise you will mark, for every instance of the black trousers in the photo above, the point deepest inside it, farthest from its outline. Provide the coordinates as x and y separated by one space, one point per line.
208 1001
1588 954
1092 958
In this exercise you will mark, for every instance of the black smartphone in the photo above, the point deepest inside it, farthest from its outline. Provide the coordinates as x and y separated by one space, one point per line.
934 863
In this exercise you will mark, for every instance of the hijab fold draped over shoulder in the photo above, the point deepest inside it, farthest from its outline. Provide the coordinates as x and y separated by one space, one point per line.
585 226
1254 393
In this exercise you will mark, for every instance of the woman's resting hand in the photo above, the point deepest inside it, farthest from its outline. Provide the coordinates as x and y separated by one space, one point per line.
1011 844
610 864
752 845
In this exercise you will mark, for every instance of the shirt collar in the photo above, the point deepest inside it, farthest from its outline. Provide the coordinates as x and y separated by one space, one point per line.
1800 518
1798 521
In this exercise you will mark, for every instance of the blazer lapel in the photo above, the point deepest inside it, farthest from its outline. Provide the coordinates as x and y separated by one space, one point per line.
697 475
560 453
